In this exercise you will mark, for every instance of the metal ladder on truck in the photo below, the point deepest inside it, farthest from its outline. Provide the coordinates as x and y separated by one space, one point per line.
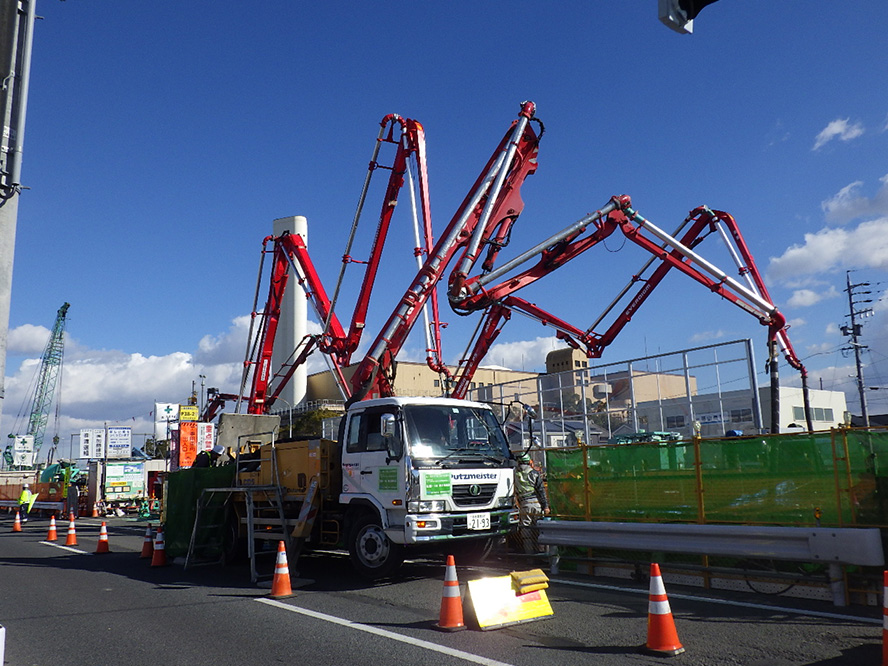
266 519
261 520
264 511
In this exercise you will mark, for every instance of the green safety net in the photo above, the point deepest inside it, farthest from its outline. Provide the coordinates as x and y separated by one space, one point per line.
832 478
183 490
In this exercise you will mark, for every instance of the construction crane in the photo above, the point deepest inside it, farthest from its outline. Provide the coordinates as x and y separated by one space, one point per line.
41 403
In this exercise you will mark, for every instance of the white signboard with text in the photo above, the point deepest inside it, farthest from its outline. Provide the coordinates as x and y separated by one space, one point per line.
120 441
92 443
206 436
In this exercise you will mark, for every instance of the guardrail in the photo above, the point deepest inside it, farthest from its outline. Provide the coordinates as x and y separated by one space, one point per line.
44 506
833 546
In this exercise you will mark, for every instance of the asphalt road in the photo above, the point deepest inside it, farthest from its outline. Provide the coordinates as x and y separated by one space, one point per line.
71 606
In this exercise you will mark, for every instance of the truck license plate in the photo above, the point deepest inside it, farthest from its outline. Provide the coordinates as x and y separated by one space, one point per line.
479 521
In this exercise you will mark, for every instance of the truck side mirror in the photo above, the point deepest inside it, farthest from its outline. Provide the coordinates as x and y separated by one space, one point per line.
388 430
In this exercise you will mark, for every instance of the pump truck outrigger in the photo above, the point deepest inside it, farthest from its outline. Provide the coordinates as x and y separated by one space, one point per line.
423 472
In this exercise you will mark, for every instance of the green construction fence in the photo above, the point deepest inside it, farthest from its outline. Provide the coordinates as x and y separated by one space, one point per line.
831 478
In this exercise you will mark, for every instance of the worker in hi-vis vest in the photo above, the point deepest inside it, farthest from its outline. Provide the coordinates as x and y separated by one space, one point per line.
532 502
25 502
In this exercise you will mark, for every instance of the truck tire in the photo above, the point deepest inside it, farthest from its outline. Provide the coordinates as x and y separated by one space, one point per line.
371 552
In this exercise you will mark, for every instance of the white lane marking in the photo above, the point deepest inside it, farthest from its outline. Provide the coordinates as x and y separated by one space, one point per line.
409 640
56 545
725 602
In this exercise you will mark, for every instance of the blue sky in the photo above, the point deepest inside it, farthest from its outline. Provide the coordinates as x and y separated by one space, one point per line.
163 138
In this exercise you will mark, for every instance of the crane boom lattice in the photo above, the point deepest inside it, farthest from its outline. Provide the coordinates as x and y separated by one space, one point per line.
47 379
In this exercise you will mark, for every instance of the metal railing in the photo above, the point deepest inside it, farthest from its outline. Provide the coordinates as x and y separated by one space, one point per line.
832 546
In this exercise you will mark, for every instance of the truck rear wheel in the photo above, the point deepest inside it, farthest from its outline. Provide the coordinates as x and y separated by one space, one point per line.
372 553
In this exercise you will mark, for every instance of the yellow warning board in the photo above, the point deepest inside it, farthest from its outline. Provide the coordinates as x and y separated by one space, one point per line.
496 604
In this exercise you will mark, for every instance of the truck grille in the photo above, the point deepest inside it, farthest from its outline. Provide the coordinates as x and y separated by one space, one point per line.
473 494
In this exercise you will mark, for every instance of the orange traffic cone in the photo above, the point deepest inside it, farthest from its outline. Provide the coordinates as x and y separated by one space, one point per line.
17 525
159 558
52 535
147 545
95 513
280 584
102 546
72 533
451 617
885 618
662 638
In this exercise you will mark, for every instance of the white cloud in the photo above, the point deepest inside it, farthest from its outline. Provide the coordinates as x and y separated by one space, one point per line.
228 347
529 355
818 349
848 204
840 128
99 387
803 298
829 249
27 340
705 336
798 322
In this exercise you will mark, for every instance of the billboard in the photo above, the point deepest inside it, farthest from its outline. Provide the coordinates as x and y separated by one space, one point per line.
187 443
92 443
124 480
188 413
119 441
206 436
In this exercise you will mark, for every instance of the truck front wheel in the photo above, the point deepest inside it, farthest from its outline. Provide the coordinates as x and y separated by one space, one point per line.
372 553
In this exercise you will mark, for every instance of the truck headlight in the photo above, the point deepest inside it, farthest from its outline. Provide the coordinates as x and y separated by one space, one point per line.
504 502
426 506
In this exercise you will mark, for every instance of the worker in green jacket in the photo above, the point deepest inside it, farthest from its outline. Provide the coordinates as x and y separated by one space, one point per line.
25 502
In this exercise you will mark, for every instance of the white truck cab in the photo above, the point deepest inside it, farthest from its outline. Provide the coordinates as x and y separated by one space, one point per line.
422 471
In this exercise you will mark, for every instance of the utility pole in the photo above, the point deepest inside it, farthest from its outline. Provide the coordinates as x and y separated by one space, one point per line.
853 331
16 37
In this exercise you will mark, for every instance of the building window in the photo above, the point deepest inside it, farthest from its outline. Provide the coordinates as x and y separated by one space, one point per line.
436 383
817 413
823 414
741 415
675 421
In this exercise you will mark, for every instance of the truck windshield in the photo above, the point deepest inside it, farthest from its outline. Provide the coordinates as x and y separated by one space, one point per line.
452 432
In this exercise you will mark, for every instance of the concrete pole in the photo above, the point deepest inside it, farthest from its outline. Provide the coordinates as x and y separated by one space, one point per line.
16 37
293 323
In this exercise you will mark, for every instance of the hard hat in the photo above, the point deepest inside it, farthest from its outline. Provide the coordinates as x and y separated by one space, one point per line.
523 457
218 449
27 487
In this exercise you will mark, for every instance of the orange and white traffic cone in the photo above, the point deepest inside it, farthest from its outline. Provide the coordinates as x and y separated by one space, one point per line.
72 533
159 558
451 616
17 525
280 584
885 618
95 513
147 545
102 546
662 639
52 535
